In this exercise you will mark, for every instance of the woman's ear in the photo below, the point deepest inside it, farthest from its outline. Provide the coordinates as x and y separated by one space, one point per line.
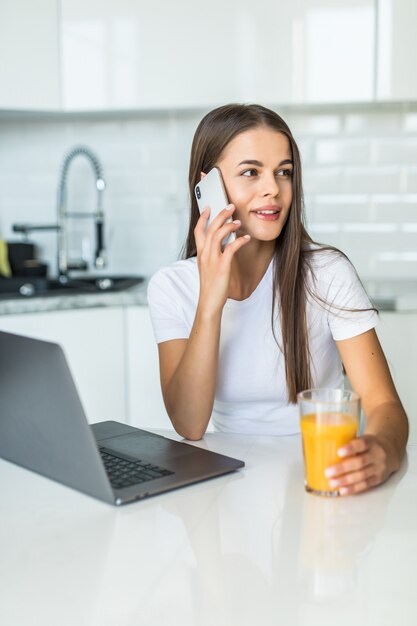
202 174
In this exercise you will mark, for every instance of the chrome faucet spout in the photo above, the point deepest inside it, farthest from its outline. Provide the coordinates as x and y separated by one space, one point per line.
64 265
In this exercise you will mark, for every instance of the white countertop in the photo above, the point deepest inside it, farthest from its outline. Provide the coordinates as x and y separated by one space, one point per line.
244 549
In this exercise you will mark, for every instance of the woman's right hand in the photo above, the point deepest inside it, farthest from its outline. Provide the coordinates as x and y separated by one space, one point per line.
214 264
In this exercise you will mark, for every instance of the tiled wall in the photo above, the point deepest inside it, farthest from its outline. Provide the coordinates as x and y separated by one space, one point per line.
360 175
361 186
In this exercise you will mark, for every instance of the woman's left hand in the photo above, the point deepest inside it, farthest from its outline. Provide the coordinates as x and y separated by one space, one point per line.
365 463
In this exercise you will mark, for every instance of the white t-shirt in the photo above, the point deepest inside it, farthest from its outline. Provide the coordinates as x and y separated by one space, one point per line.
251 392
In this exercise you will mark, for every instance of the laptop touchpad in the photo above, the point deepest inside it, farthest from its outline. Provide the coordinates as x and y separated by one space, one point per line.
148 447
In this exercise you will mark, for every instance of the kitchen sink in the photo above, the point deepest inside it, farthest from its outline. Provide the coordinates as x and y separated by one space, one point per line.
27 287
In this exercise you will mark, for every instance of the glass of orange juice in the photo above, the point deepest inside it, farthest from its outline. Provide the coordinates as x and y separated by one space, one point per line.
329 419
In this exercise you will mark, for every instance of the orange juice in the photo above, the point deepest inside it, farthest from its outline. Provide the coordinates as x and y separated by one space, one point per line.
323 434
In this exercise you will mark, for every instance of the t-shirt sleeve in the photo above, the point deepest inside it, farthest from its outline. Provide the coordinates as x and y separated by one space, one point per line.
167 318
349 310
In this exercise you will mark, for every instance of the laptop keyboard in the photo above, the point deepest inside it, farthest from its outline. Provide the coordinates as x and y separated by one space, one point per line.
124 471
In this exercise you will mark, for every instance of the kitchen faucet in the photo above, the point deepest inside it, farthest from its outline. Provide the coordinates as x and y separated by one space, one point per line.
64 264
99 259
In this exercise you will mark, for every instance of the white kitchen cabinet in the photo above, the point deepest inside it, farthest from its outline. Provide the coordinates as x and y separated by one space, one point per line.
397 333
324 50
397 50
94 343
29 55
145 404
128 54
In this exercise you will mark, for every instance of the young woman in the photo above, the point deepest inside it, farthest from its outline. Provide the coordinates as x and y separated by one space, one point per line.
241 331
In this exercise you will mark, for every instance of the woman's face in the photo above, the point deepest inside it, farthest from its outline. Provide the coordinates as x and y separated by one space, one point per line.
257 171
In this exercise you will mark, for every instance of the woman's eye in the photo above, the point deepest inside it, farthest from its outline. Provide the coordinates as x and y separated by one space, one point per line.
284 173
249 173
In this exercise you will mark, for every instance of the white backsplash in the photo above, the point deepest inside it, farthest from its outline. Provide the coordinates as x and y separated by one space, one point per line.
360 180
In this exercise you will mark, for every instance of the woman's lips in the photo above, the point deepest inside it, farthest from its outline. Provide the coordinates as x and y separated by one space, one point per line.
267 213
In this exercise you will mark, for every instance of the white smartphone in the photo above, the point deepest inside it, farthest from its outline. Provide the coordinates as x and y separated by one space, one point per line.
210 192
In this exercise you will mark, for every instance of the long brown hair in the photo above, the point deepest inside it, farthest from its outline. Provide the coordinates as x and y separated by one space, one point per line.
293 246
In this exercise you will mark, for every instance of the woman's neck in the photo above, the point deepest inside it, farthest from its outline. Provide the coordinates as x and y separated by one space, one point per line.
248 268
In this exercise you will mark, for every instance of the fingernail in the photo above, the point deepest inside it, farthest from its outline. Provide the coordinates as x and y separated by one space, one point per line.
236 221
342 452
329 472
246 236
343 491
333 483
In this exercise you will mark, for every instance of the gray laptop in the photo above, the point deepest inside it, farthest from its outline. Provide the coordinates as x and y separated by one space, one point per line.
43 428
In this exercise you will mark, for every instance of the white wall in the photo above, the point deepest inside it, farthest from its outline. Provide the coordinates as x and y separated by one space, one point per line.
360 182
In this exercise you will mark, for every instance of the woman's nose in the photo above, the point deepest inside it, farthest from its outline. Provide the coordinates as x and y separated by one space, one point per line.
270 186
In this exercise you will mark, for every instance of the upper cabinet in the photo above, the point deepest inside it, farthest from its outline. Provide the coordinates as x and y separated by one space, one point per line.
332 50
29 55
129 54
75 55
397 50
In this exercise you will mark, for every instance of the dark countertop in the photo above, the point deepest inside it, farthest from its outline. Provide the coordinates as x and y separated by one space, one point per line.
135 296
390 295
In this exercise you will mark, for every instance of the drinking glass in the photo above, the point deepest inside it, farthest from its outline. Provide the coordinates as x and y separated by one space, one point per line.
329 419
